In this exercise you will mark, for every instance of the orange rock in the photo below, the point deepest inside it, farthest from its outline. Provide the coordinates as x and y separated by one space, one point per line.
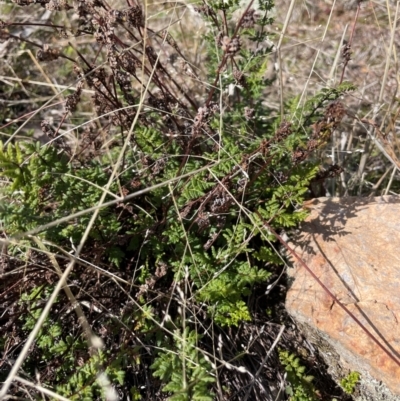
353 246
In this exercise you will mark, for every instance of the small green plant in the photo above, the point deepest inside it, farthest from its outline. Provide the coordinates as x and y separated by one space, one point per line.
299 387
349 382
184 369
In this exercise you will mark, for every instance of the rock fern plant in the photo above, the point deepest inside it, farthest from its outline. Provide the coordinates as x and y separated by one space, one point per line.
300 386
168 270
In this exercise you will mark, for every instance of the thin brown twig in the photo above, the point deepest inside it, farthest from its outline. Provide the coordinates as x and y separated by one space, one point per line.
348 45
225 55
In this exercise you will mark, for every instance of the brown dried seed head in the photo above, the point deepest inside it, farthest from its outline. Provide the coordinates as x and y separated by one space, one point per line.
299 155
346 52
248 113
205 10
116 17
250 18
335 112
27 2
135 16
225 42
47 53
230 46
284 131
47 129
128 62
57 5
312 145
73 100
239 77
